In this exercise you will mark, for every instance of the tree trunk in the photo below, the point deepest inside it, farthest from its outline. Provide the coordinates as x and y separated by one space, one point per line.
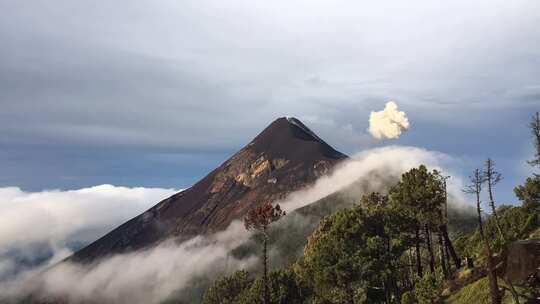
386 288
494 211
492 276
266 294
443 248
448 243
493 284
445 222
430 249
411 268
447 254
419 270
397 291
442 253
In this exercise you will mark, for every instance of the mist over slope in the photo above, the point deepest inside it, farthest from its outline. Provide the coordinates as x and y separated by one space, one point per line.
183 270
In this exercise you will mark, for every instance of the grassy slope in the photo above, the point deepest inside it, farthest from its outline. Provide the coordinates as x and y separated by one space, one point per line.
476 292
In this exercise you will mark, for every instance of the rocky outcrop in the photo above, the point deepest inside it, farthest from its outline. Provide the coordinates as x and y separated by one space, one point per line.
522 261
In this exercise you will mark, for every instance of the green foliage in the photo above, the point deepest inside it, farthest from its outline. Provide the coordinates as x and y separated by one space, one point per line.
283 286
334 261
529 193
408 298
427 289
419 194
228 289
351 254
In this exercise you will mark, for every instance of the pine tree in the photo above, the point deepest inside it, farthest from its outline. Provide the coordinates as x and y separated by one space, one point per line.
259 219
421 194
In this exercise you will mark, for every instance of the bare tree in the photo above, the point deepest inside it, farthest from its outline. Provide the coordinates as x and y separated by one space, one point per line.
491 178
475 187
259 219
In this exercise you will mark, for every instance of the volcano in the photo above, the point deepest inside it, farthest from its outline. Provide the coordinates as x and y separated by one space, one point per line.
283 158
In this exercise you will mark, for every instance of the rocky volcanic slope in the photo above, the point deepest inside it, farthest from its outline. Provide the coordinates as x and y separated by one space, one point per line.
285 157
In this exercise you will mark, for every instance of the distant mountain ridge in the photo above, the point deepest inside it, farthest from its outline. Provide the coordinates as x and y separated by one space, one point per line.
285 157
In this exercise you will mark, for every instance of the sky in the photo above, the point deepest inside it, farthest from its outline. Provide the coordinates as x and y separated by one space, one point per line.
158 93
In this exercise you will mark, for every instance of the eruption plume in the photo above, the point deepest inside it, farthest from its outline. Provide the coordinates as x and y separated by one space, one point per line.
388 123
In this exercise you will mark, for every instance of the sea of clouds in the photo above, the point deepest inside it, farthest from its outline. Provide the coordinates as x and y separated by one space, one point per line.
41 228
59 218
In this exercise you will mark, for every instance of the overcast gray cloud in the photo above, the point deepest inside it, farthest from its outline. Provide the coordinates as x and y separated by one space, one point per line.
142 73
144 78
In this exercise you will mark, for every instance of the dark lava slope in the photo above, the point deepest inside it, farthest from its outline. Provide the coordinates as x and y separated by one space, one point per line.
285 157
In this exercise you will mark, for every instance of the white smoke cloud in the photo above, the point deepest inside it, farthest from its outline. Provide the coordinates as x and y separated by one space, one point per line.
388 123
152 275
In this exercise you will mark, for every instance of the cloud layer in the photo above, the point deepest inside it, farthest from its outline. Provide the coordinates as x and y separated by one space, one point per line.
38 228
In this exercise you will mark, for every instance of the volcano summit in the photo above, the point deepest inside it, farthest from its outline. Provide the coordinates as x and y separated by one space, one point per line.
285 157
